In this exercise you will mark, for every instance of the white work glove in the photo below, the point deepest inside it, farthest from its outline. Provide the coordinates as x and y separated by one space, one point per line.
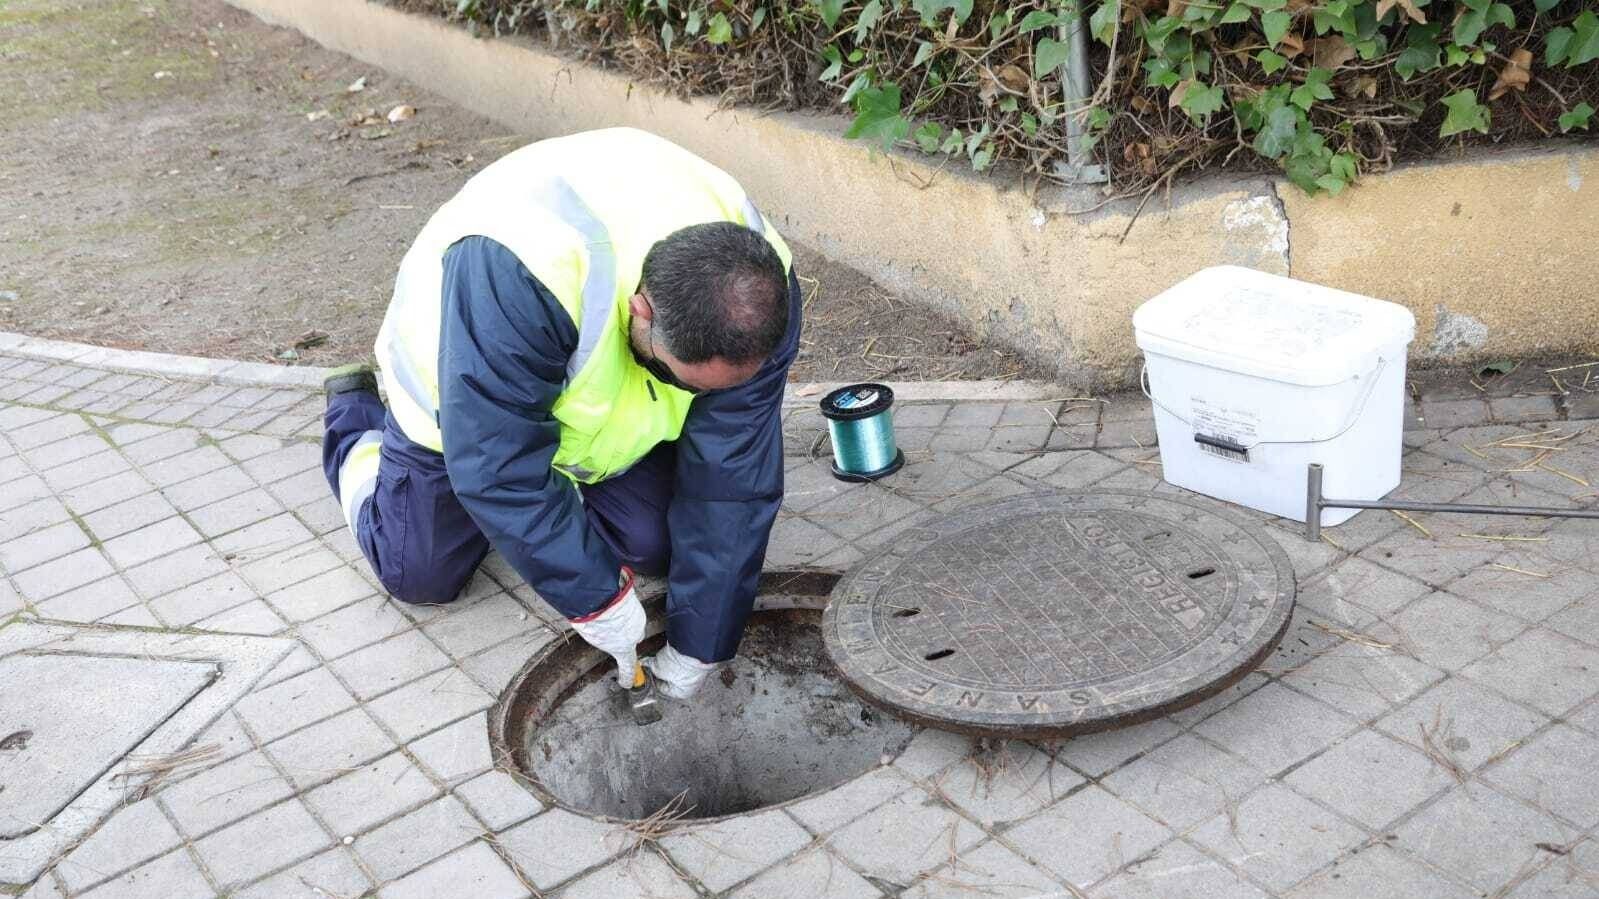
676 675
616 629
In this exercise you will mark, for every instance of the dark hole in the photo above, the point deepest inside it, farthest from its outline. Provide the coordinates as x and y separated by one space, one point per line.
907 613
941 654
1203 572
1157 536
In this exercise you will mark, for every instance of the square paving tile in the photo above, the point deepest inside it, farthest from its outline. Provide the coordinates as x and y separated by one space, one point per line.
429 704
371 794
357 625
989 870
498 800
482 624
1179 869
381 667
473 871
1184 782
1558 770
290 705
1462 721
557 845
1380 873
905 837
320 594
224 794
1087 837
1543 669
332 874
811 874
132 836
1370 778
209 597
1448 632
1570 877
1278 837
172 876
334 748
1097 754
407 843
842 804
723 854
262 843
1364 681
90 602
458 752
1012 782
1252 728
1356 586
641 874
1481 836
42 545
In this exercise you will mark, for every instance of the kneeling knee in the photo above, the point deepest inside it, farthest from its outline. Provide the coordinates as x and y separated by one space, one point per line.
424 591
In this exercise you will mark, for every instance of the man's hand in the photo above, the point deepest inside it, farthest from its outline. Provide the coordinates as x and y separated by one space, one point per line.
617 629
678 676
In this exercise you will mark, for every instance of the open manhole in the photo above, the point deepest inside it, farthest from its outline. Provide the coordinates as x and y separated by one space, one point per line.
774 725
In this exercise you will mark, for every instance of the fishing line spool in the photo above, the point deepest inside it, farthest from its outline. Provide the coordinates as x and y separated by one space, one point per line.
861 422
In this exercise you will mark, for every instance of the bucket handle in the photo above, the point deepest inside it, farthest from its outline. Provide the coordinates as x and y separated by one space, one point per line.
1354 416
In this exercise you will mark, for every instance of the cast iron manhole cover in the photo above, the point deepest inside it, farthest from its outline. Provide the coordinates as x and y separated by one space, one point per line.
1060 613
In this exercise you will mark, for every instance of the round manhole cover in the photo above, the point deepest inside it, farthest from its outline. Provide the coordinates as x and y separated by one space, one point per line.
1060 613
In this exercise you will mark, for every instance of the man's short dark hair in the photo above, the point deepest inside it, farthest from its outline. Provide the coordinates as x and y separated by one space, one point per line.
719 292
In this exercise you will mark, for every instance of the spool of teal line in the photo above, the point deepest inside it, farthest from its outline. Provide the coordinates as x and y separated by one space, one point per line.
860 419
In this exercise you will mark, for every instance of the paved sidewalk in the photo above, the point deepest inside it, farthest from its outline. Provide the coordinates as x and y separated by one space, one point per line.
1429 728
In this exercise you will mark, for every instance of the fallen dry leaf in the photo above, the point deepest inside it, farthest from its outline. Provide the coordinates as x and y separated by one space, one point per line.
1013 77
365 117
1178 92
317 116
1331 52
1365 85
401 113
1176 7
1292 45
1409 6
357 86
1516 74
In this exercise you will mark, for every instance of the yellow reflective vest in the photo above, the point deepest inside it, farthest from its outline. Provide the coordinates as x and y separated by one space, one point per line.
580 213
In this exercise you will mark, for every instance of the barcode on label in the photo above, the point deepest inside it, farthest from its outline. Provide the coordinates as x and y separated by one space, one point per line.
1231 454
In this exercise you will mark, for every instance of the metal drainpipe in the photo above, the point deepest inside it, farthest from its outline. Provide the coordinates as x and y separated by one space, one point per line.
1079 167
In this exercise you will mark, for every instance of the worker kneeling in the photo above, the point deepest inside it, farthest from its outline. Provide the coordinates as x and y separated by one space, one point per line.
584 359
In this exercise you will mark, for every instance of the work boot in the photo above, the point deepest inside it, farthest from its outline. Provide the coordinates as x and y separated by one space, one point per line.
345 378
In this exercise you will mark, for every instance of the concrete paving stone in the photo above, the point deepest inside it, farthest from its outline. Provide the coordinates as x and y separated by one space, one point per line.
1025 439
10 600
1570 877
1363 681
426 705
1541 668
995 488
31 517
1433 561
253 617
186 466
334 748
1523 408
280 836
811 874
263 537
920 415
473 871
1178 869
12 467
292 704
1558 770
1353 586
359 624
100 494
1456 413
1127 407
209 597
172 876
46 431
1252 728
133 616
1013 782
324 518
331 875
292 459
306 487
989 870
498 800
796 542
911 441
46 887
723 854
290 566
1462 720
1449 632
640 874
1277 836
1370 778
557 845
208 488
170 413
1579 621
227 735
248 446
409 842
458 752
1183 782
1379 872
1566 545
383 666
492 669
129 515
298 661
1309 635
17 417
66 573
86 471
1087 837
211 416
1121 434
958 440
91 602
42 545
1097 754
827 811
22 491
146 543
938 477
482 624
320 594
61 452
133 835
371 794
253 421
179 569
905 837
1481 836
224 793
1310 560
973 415
931 751
844 558
871 512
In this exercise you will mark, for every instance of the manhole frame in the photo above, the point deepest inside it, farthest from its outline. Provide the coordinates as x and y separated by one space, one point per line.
855 671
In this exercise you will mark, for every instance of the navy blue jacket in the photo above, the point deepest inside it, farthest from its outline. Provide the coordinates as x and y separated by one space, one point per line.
503 348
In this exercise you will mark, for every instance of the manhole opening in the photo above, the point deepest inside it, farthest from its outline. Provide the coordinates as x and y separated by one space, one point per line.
773 726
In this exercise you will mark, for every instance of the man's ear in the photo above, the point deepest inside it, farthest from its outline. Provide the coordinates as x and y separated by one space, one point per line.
640 308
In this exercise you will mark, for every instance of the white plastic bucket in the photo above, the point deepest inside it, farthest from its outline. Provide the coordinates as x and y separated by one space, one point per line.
1255 376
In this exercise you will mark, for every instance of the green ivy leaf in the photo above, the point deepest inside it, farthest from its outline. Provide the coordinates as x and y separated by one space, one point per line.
1545 5
1049 56
870 13
695 20
1275 24
1578 117
1421 53
1007 105
997 23
861 82
1159 73
1029 124
1278 136
1103 23
1200 100
924 52
721 30
982 158
757 19
835 63
1584 41
1271 63
1343 166
928 136
667 34
1236 13
1315 88
1037 19
1555 45
831 10
1465 114
1332 184
877 116
1161 30
952 143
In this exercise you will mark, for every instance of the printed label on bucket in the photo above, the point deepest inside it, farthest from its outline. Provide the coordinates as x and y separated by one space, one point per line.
1224 422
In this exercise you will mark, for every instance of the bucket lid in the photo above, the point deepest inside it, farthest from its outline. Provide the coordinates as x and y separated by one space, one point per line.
1269 326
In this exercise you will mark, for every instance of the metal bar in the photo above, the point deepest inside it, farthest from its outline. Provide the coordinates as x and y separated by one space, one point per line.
1079 167
1315 502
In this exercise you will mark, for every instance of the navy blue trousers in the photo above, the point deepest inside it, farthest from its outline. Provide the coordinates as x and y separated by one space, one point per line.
420 541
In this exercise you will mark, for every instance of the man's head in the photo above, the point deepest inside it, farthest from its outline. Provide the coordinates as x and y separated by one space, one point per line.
712 307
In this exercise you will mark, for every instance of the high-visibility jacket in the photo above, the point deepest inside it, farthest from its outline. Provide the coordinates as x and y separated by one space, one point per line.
515 377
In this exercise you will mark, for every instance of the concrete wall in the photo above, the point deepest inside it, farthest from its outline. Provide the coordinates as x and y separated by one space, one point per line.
1493 255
